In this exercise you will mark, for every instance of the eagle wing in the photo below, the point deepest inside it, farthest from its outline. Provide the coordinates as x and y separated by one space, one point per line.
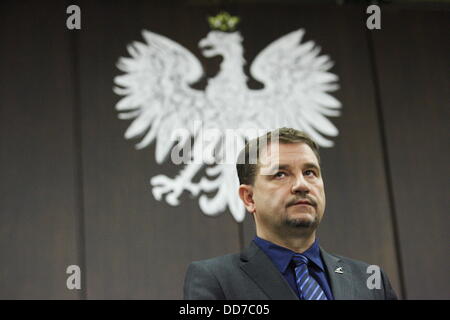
156 91
297 85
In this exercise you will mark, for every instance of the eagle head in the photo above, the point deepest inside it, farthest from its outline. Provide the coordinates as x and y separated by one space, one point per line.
221 43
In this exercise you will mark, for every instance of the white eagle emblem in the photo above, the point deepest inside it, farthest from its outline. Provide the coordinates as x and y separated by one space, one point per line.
158 96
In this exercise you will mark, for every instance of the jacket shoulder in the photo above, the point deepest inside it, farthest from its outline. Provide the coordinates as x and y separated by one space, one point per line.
363 270
204 278
220 262
352 262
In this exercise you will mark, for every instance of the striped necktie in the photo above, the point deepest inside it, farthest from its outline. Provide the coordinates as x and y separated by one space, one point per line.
308 287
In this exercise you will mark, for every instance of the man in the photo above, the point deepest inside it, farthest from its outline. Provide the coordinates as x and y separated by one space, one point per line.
284 191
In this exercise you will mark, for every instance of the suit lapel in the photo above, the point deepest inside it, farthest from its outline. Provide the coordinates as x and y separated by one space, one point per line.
258 266
339 275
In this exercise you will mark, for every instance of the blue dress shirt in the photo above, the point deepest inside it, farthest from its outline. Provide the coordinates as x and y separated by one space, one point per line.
282 258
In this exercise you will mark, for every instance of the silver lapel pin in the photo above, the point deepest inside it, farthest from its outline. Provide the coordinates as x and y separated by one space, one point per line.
339 270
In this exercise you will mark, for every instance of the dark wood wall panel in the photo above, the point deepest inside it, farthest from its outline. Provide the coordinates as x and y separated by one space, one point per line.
38 202
357 221
412 58
74 191
137 247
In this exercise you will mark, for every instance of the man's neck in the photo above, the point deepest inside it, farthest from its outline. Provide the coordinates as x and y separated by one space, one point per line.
296 243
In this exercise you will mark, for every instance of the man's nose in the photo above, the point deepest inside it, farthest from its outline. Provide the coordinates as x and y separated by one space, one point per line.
300 185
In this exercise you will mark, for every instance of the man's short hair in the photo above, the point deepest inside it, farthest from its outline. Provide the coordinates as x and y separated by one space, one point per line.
247 165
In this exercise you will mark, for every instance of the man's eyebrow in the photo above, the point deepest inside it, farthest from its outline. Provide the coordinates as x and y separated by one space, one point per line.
280 167
307 165
312 165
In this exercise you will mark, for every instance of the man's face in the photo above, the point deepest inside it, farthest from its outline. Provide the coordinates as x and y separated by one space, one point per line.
290 196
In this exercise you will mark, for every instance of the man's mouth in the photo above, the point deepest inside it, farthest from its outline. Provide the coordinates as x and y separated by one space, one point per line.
304 202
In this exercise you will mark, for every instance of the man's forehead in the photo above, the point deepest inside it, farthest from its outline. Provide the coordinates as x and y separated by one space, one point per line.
292 152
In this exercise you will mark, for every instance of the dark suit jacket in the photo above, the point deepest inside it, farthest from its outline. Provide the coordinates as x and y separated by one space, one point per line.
251 275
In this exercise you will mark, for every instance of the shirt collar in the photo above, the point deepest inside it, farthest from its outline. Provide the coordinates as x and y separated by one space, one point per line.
282 256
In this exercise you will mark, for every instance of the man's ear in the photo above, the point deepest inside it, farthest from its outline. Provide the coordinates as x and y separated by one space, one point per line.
246 195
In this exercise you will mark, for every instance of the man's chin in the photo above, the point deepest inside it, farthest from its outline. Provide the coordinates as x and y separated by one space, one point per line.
306 222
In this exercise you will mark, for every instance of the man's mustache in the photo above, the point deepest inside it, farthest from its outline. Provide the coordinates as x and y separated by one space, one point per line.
307 198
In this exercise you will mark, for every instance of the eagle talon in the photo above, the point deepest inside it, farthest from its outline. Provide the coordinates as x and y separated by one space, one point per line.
162 185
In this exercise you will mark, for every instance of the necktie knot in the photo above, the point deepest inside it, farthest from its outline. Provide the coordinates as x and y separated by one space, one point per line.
299 259
308 287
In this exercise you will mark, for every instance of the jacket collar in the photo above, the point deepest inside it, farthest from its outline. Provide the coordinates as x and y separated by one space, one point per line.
258 266
282 256
340 276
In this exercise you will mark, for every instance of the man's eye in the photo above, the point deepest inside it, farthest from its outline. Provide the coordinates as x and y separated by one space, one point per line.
280 174
310 172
